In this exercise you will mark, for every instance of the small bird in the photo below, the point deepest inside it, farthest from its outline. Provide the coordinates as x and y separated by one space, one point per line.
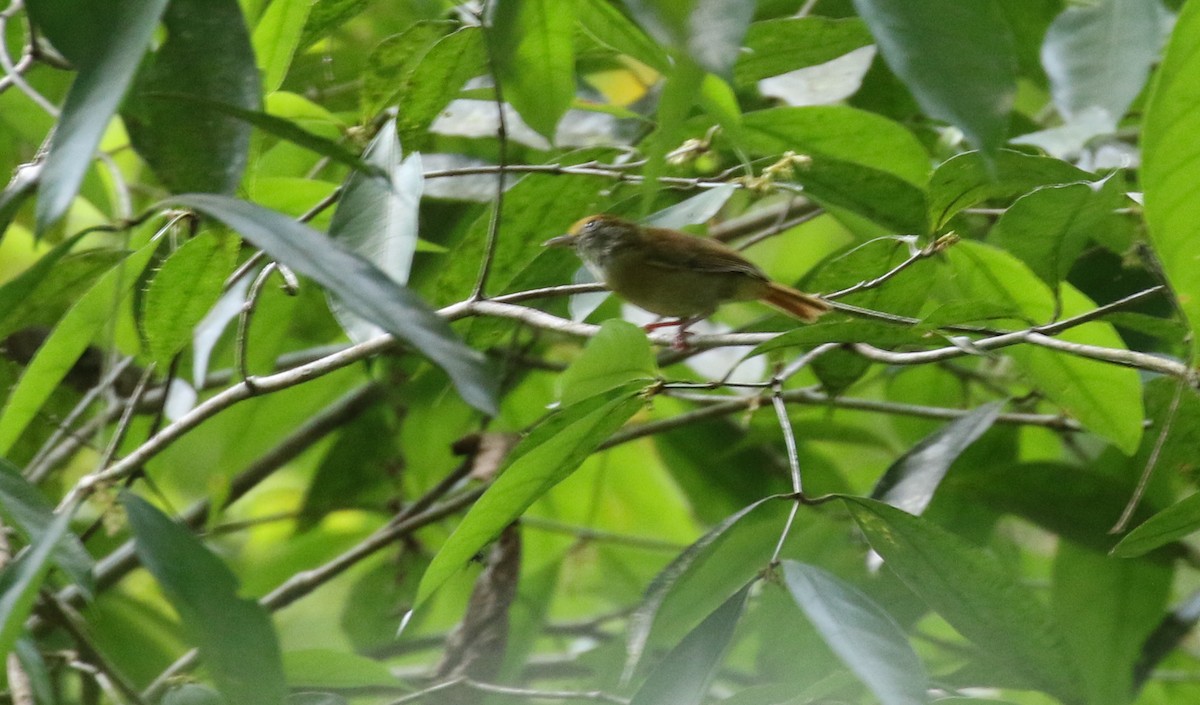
675 274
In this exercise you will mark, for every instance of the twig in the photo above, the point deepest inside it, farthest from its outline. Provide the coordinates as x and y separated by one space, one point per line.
493 233
241 341
929 250
1135 499
13 75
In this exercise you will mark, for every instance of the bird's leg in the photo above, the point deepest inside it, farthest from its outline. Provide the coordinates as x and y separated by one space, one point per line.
680 343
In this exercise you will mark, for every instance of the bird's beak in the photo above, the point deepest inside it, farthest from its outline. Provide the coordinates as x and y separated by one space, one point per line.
560 241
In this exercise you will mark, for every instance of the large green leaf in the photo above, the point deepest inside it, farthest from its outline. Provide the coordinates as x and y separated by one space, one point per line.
117 34
860 632
1171 165
435 81
276 38
1105 398
234 635
1107 608
73 334
535 58
207 54
360 285
973 91
394 60
550 453
974 593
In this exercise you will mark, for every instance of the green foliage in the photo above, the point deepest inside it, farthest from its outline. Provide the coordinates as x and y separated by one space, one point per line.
409 418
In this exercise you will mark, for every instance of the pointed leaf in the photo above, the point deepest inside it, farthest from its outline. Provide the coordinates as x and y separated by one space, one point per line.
860 632
777 46
974 593
620 353
105 72
910 482
360 285
234 635
684 675
276 38
965 180
546 457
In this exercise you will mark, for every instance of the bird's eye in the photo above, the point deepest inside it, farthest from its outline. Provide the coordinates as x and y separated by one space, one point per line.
590 225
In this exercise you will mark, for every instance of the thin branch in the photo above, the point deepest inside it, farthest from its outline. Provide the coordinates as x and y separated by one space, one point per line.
493 233
933 248
1139 491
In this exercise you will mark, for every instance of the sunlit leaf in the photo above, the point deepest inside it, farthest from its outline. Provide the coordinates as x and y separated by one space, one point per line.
183 290
535 59
276 38
620 353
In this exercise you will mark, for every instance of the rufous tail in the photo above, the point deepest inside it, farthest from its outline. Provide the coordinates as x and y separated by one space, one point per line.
794 303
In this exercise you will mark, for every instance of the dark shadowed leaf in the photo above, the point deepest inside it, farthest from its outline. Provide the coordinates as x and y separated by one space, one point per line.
860 632
26 509
684 675
234 635
975 90
22 578
910 482
118 34
207 54
364 289
974 593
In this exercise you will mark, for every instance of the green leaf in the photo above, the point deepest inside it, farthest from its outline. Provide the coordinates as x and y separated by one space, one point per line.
27 510
1171 165
207 54
840 132
18 290
620 353
1107 608
326 668
1098 55
122 30
684 675
66 343
1105 398
276 38
864 636
22 578
535 58
550 453
698 209
781 45
974 89
184 289
360 285
972 592
965 180
909 483
718 550
394 61
435 81
234 635
1048 228
377 219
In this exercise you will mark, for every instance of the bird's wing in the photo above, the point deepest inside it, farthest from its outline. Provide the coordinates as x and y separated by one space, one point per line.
676 250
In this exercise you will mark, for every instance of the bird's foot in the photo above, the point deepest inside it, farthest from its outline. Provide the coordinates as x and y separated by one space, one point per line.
680 344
